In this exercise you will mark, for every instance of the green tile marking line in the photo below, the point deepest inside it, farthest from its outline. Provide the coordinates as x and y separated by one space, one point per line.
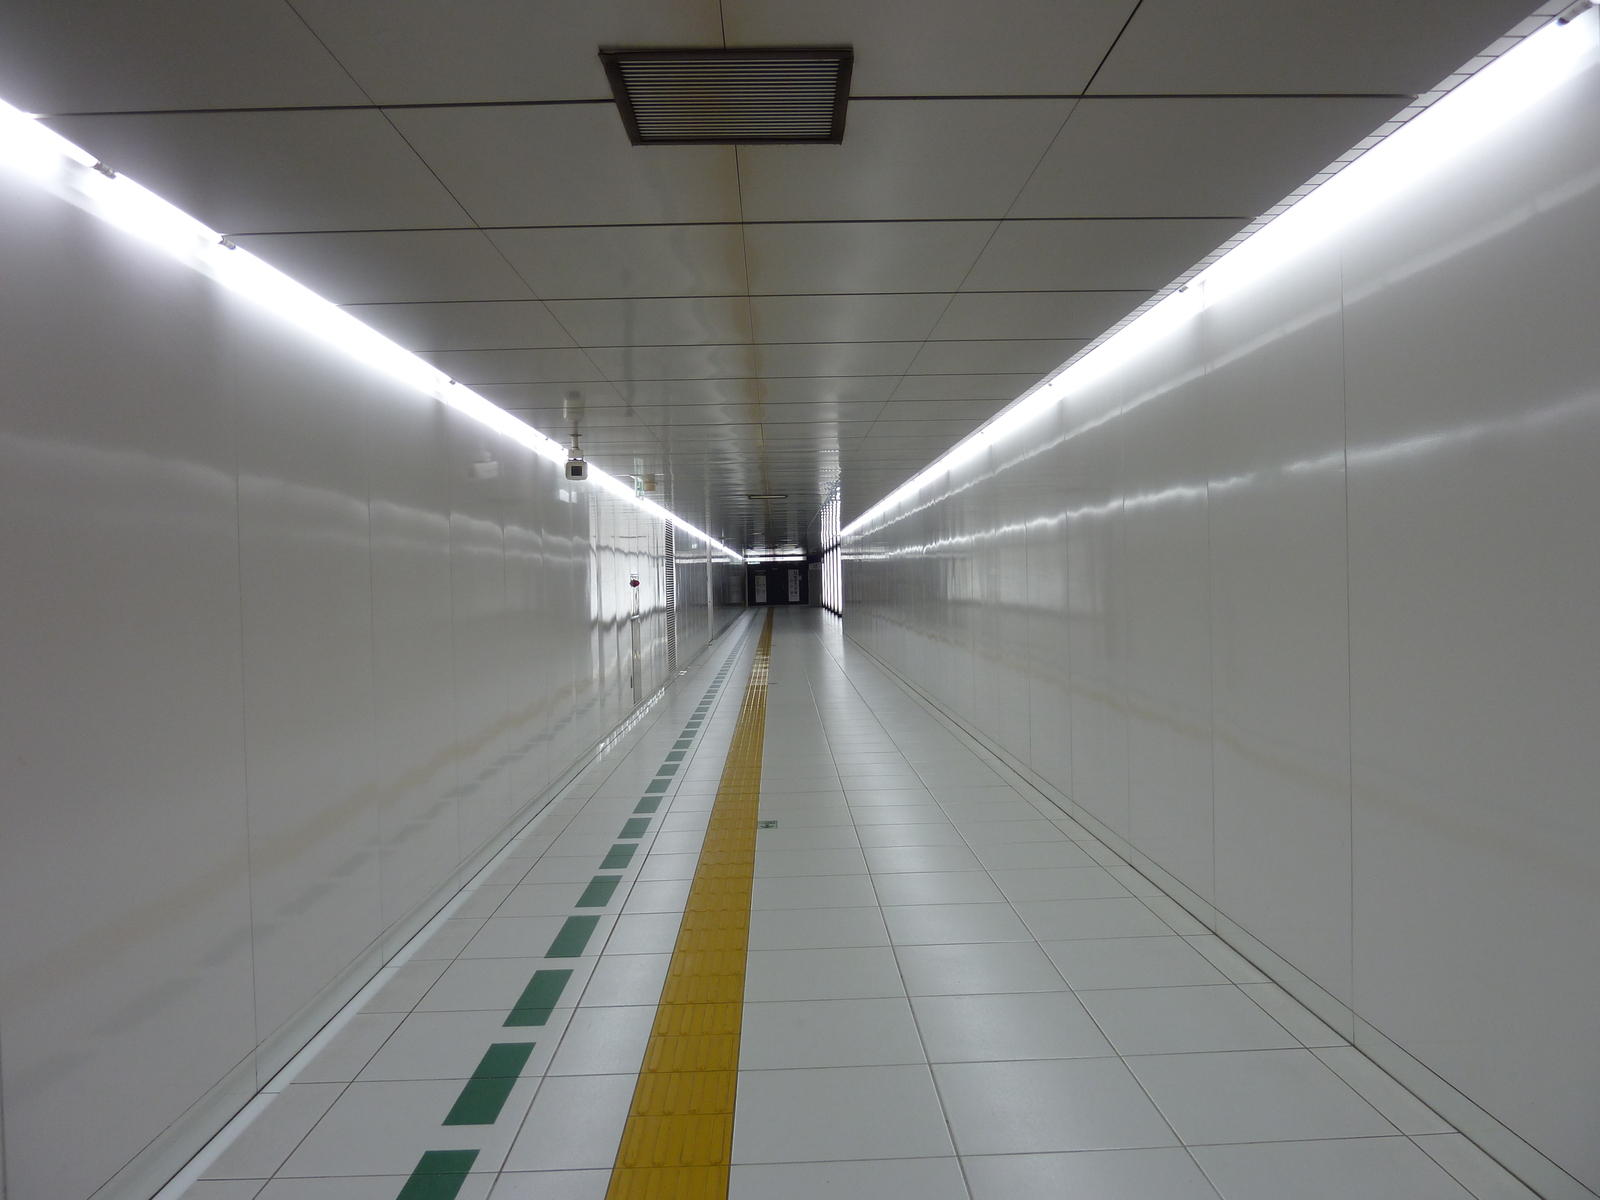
485 1095
538 999
619 856
599 892
439 1175
574 936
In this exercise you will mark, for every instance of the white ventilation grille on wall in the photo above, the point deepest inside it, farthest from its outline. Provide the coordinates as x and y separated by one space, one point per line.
679 97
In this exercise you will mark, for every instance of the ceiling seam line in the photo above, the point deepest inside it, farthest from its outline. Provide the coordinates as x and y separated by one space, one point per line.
730 224
456 200
972 266
422 105
1140 291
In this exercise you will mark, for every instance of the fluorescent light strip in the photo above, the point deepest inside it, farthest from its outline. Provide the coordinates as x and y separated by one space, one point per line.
39 154
1529 70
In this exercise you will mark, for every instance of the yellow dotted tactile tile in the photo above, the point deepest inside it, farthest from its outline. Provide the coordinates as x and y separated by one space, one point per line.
679 1136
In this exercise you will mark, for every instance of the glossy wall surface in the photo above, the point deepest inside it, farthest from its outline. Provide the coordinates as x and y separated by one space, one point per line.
1301 602
273 663
697 621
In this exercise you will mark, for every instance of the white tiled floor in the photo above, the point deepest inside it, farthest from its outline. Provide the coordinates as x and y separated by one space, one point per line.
954 993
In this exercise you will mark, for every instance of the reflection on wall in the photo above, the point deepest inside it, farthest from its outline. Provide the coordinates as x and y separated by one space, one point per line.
283 644
1300 603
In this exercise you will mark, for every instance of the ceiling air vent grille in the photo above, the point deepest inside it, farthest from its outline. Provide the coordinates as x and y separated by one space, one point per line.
678 97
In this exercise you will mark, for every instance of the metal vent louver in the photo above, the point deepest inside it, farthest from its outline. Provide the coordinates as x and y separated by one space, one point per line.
792 94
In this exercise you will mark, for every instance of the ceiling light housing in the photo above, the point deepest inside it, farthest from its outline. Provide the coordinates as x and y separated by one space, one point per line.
756 95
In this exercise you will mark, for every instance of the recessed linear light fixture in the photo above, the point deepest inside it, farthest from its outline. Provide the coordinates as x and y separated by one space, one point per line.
773 95
32 152
1511 83
766 495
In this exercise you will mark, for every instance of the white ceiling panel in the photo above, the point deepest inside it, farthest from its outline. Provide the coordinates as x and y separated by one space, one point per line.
905 160
841 412
843 390
1197 157
944 47
689 321
449 51
596 418
675 362
1095 255
685 416
978 358
1301 46
917 256
836 358
965 387
498 163
1035 314
519 396
466 325
272 172
645 393
942 410
366 268
478 367
846 318
61 57
951 430
613 260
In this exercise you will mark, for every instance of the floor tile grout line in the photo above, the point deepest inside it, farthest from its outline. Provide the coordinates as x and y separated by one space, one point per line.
1066 984
916 1022
1090 839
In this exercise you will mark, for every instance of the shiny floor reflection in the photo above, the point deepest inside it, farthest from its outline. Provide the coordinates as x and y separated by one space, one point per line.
953 991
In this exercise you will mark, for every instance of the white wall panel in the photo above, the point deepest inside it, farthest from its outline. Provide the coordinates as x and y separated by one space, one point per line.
125 965
1475 576
1310 598
1279 645
275 666
305 576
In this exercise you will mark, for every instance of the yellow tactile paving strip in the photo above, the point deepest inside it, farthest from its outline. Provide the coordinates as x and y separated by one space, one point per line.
679 1136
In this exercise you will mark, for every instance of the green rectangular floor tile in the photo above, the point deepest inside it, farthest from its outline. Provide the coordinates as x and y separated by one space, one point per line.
539 998
485 1095
658 785
634 827
648 804
439 1175
667 769
619 856
600 890
683 744
574 936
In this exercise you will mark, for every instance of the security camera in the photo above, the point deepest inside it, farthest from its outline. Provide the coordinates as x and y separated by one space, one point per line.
577 468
